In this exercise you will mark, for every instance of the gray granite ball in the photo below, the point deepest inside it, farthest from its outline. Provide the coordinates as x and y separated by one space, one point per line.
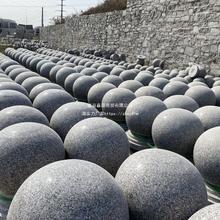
128 75
70 80
10 68
179 79
177 130
50 100
217 83
150 91
86 191
82 86
175 88
97 92
105 68
144 77
45 69
132 85
211 212
42 87
24 148
62 74
116 71
13 86
159 83
98 140
100 76
65 117
115 102
53 72
24 75
114 80
209 116
160 184
40 64
14 73
141 113
17 114
216 91
181 101
89 71
11 97
202 95
206 156
8 63
193 84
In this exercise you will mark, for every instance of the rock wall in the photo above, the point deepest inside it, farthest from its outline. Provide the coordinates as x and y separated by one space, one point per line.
180 31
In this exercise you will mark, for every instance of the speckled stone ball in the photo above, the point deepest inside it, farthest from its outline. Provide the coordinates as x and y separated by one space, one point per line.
11 97
89 71
40 64
193 84
70 80
160 184
209 116
181 101
100 76
144 77
211 212
202 95
179 79
42 87
97 92
115 102
62 74
82 86
24 148
17 114
132 85
65 117
116 71
206 156
14 73
105 68
150 91
86 191
128 75
159 83
10 68
216 91
13 86
177 130
98 140
114 80
175 88
53 72
45 69
8 63
50 100
24 75
141 113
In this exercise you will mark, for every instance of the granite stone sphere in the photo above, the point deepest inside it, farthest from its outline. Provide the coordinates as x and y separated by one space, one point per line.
62 74
78 69
89 71
17 114
217 83
24 75
53 72
202 95
216 91
70 80
141 113
82 86
115 102
26 147
211 212
86 191
175 88
132 85
159 83
13 86
160 184
177 130
193 84
10 68
34 62
116 71
68 64
40 64
144 77
6 80
105 68
11 97
65 117
97 92
45 69
181 101
206 156
150 91
128 75
42 87
50 100
98 140
2 75
8 63
199 80
209 116
114 80
162 75
100 76
14 73
179 79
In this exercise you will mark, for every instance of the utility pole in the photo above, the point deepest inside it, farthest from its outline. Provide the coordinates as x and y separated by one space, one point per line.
42 17
61 10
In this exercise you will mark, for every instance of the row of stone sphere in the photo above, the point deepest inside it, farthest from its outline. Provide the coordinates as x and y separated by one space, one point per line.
151 183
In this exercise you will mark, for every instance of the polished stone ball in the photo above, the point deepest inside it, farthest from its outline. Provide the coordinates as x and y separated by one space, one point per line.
70 80
116 71
175 88
42 87
82 86
45 69
216 91
24 75
11 97
17 114
53 72
150 91
62 74
154 179
34 62
193 84
78 69
105 68
24 148
177 130
13 86
89 71
181 101
40 64
159 83
84 191
209 116
144 77
65 117
179 79
8 63
128 75
206 156
100 76
114 80
98 140
202 95
140 114
132 85
14 73
97 92
10 68
211 212
50 100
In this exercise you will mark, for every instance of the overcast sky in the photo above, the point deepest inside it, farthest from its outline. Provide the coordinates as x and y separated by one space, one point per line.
29 11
